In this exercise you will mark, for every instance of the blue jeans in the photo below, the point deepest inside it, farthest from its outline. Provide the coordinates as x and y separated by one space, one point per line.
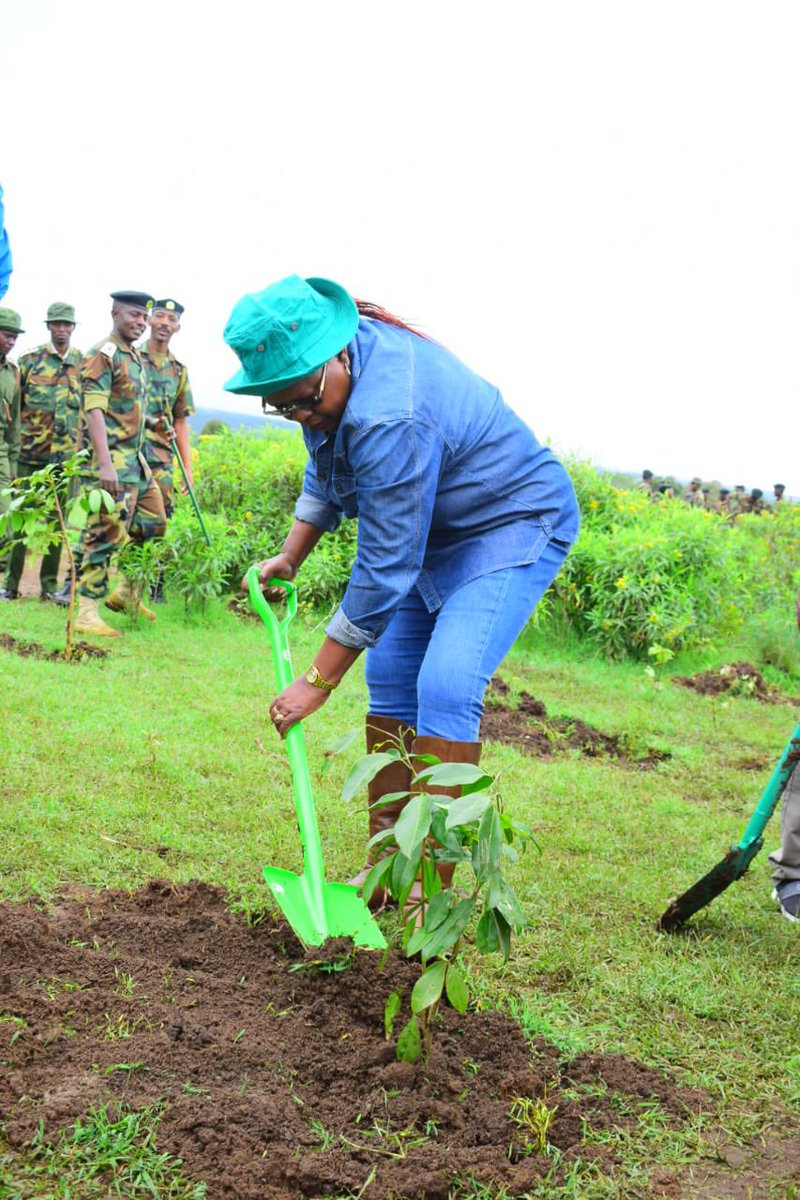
431 670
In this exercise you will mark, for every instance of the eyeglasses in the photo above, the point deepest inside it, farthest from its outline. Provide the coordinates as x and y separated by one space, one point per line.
288 410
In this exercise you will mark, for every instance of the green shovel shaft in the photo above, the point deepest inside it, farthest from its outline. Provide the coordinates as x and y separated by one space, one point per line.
789 760
190 490
295 743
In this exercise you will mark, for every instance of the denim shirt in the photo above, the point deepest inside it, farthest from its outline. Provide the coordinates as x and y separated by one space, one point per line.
446 481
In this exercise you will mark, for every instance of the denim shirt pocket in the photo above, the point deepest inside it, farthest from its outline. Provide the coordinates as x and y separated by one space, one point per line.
343 485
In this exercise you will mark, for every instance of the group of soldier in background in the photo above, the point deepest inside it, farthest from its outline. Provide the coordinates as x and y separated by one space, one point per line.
715 499
128 406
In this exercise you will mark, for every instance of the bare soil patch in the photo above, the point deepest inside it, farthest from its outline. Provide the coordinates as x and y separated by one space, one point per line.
528 729
271 1063
736 679
80 650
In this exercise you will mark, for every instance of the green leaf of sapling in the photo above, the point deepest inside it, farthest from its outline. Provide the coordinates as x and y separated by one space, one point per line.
428 988
413 824
363 771
456 989
409 1044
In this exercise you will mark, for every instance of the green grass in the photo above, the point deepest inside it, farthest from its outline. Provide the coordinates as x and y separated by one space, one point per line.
159 762
105 1154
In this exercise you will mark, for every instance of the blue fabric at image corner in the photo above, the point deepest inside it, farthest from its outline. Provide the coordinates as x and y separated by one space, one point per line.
5 251
447 481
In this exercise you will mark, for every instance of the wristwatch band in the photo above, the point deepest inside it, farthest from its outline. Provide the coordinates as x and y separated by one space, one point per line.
315 679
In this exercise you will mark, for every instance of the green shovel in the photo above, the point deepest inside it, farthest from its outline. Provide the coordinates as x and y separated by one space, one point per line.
738 859
316 910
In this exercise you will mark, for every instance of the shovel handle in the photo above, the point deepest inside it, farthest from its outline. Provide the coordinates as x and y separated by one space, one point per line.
276 627
773 791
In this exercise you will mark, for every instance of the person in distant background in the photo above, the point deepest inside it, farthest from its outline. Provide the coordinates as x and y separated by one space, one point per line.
778 490
693 495
50 407
786 861
755 503
738 501
646 483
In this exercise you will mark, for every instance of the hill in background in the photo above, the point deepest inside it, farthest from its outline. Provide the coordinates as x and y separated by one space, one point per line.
234 420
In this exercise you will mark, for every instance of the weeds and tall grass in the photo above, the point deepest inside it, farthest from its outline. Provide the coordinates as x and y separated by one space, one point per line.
643 574
107 1153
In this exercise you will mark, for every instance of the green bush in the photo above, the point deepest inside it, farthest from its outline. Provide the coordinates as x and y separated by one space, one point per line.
249 482
646 573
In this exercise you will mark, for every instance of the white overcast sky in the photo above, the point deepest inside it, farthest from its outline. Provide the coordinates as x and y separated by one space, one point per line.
595 204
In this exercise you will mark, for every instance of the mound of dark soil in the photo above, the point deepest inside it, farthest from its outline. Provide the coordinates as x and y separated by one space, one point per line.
272 1065
529 729
80 650
737 679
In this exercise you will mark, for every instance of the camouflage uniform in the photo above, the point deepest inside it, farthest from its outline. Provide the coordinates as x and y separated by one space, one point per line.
9 429
169 399
113 380
50 407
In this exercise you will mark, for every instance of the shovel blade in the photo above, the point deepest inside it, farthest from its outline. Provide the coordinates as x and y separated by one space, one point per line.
338 912
715 881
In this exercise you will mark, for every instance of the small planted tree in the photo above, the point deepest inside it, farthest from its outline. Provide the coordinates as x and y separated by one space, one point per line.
42 510
435 829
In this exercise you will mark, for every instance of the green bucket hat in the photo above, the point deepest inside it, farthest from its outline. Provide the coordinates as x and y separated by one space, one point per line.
10 321
58 311
287 331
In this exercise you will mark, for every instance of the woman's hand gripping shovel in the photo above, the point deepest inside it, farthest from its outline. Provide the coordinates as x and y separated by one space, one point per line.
738 859
316 910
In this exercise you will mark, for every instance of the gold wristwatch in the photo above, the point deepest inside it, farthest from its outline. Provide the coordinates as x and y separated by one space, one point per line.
315 679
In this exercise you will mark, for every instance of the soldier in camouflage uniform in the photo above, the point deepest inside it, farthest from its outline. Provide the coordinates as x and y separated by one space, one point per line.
51 396
10 329
693 495
169 406
114 394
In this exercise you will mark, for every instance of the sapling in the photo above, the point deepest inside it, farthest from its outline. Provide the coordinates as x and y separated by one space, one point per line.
472 829
42 510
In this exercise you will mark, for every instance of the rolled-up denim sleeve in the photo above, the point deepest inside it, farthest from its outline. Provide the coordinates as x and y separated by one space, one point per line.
396 467
314 506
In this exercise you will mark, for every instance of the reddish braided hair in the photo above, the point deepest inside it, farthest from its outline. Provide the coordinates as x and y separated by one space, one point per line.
376 313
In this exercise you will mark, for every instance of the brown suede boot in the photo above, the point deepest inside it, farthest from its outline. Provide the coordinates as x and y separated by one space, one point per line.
446 752
394 778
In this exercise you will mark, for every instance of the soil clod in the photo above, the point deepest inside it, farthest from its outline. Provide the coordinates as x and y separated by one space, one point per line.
735 679
528 729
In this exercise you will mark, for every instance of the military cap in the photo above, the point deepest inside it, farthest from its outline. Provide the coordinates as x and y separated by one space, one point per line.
776 486
756 493
136 299
647 474
169 306
724 491
60 312
10 321
697 479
